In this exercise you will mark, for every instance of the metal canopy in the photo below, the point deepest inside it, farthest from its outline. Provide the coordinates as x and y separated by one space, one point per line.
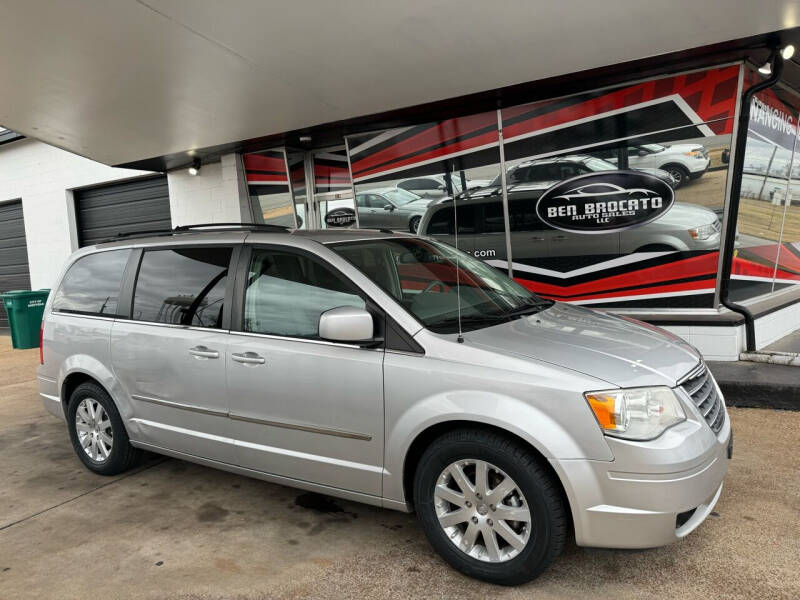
126 80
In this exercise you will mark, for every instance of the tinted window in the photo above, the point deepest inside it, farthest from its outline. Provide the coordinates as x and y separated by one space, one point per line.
91 285
443 223
493 221
185 286
420 184
286 294
522 214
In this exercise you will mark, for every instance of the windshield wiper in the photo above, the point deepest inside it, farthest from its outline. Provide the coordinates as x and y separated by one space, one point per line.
530 309
469 320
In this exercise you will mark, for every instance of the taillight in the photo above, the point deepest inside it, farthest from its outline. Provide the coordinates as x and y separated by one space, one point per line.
41 339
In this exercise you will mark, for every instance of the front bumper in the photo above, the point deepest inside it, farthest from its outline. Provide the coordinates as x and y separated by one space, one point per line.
698 168
652 493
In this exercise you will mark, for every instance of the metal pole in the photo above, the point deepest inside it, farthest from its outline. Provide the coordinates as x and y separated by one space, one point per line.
506 214
776 62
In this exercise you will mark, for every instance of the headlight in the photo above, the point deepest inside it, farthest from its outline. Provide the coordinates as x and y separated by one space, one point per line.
703 232
695 153
636 413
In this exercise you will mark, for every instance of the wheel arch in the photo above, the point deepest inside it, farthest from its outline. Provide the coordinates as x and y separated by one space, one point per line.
80 368
70 384
425 437
673 163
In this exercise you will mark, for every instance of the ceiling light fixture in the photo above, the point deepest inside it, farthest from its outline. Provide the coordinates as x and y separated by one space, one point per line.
304 138
765 69
195 168
787 52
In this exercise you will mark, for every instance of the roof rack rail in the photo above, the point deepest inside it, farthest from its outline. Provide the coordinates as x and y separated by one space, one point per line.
265 226
198 227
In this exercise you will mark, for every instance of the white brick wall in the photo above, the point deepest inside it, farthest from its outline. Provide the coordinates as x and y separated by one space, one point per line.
44 177
216 195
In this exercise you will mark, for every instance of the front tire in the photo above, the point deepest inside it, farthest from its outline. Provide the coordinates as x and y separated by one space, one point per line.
679 173
413 224
489 507
97 433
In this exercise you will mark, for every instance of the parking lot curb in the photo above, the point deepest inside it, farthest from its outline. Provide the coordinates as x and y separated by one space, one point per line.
758 385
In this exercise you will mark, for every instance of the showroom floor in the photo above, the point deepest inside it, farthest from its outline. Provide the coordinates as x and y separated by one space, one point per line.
175 530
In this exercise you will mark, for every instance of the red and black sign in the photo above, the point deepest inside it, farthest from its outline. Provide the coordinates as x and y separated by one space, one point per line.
604 202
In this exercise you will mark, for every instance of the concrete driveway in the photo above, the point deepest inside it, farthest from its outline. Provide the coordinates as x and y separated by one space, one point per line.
171 529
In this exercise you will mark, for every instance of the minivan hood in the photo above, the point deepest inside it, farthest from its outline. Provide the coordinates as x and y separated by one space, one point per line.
686 215
621 351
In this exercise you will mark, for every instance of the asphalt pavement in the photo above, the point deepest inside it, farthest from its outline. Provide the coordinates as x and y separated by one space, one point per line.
171 529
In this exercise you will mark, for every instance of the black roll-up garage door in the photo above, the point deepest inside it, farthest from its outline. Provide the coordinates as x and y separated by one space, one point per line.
106 210
14 272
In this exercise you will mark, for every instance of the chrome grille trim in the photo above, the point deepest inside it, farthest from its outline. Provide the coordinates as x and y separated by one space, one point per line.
699 386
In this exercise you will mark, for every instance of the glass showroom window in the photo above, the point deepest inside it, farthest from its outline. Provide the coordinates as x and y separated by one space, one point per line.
430 179
673 132
268 188
767 256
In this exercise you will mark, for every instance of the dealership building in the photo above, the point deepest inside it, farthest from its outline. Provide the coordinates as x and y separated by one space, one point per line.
653 174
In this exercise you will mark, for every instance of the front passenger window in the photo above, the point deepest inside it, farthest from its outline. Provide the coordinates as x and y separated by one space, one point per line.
286 294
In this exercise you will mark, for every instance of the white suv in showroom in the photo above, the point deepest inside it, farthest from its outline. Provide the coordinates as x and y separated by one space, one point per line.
682 161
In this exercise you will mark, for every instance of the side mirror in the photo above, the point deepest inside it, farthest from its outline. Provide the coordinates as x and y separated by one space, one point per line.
642 152
442 188
346 324
389 207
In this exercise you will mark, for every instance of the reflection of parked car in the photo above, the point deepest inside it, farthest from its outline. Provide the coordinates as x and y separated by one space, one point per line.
480 228
391 208
565 167
682 161
434 186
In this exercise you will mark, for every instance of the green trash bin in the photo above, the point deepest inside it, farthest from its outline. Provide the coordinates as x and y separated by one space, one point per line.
25 310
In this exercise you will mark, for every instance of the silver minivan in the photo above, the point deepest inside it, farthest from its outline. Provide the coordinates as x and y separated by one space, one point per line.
392 370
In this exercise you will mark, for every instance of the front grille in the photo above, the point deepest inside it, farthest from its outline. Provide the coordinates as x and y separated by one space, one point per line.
701 389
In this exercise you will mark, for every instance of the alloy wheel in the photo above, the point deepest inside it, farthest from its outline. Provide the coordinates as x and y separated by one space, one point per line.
677 175
482 511
93 426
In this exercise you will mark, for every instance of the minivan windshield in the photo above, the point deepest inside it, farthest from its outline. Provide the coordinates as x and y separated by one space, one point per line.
431 278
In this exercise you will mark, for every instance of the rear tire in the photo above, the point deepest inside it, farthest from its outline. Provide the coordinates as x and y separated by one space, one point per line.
97 433
505 463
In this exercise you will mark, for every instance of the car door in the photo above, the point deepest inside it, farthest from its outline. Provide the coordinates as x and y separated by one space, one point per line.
302 407
530 238
640 158
387 213
366 215
442 225
170 356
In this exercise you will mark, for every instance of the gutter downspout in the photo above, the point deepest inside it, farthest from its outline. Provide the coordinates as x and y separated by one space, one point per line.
776 62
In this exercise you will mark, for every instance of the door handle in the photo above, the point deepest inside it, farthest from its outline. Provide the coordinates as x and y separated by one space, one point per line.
560 237
248 358
537 239
203 352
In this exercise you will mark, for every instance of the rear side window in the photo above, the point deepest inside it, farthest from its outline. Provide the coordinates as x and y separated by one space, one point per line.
523 217
443 222
91 285
184 286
